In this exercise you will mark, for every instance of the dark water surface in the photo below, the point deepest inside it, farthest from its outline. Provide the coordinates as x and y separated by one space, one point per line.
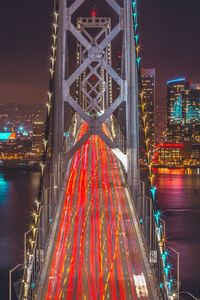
179 199
179 196
17 193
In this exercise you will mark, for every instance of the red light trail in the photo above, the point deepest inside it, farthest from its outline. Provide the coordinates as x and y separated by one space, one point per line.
96 254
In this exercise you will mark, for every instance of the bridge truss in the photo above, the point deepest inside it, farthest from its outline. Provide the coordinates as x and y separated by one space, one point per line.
92 91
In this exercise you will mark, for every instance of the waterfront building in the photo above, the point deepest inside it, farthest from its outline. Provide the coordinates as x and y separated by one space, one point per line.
169 154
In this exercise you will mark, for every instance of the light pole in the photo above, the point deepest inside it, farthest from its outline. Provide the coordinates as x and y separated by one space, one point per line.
178 271
25 235
10 280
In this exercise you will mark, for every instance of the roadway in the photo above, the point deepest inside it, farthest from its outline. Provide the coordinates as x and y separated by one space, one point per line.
96 254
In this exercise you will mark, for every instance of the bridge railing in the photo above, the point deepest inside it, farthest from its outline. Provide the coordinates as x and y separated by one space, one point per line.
36 239
154 234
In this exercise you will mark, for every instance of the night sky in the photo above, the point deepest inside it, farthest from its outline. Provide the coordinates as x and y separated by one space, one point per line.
170 40
24 50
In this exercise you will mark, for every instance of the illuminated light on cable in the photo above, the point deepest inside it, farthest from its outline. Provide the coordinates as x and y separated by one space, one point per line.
167 269
48 107
138 59
52 59
37 203
53 50
135 27
34 214
134 3
42 167
55 13
136 38
153 192
144 118
157 216
137 48
49 96
146 130
54 37
51 72
164 256
134 15
45 144
55 25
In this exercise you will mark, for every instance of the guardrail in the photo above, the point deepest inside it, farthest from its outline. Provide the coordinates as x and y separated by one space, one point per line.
37 237
161 257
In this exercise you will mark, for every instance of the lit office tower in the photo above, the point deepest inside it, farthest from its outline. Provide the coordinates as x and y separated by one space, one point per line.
193 104
183 110
38 136
148 87
176 101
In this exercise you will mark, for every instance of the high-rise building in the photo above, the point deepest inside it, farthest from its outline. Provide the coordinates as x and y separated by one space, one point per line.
176 101
148 88
160 121
193 105
183 110
38 136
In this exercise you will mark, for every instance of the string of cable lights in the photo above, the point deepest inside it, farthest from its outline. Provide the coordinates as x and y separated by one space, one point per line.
28 280
149 153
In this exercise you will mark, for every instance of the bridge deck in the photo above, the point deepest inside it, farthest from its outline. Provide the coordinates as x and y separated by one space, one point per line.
96 254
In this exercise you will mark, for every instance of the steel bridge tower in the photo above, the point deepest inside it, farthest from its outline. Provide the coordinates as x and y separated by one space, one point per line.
84 79
94 88
94 62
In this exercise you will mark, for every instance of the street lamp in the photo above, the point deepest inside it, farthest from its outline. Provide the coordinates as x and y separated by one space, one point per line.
178 271
25 235
10 280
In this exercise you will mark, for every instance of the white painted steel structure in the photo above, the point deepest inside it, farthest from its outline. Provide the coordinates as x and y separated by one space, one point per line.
94 60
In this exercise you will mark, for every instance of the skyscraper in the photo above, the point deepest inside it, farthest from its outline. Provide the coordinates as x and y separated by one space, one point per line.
176 100
183 110
38 136
193 104
148 88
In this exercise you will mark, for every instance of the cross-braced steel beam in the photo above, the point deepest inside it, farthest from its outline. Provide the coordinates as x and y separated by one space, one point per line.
94 60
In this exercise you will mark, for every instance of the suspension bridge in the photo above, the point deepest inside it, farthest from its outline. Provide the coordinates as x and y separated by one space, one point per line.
96 231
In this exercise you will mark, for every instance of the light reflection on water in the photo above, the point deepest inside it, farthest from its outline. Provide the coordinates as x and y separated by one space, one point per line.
4 189
179 199
17 191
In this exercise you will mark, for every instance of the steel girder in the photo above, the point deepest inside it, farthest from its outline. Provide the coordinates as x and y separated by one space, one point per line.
95 54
